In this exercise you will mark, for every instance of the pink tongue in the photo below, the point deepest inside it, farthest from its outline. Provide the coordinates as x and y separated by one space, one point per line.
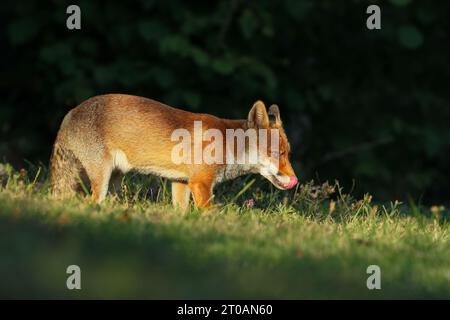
292 182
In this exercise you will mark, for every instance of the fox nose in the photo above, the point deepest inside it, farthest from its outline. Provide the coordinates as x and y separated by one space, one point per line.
292 182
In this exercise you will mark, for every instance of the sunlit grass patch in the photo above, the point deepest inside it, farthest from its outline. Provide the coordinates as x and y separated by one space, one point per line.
313 242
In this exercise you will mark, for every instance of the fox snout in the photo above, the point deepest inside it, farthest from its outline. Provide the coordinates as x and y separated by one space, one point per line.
284 182
292 182
281 180
285 177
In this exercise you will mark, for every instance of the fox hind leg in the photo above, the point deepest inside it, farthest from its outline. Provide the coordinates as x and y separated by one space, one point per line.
99 174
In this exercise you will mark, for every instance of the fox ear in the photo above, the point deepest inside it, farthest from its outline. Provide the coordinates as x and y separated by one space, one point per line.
274 115
257 117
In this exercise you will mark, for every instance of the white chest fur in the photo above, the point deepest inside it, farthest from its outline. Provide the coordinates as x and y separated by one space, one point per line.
232 171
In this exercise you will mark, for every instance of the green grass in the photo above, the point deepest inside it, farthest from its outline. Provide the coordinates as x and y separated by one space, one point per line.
314 242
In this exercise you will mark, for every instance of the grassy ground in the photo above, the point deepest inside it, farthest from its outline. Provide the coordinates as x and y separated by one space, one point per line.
314 242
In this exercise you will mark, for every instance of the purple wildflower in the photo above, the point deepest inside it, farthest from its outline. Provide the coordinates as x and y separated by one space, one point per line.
249 203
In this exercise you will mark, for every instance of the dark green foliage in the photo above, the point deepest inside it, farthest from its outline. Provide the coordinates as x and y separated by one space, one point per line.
358 104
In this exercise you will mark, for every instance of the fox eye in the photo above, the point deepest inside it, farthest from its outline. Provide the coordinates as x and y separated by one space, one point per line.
282 154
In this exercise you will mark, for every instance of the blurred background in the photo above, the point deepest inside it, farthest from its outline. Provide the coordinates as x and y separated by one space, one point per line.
369 108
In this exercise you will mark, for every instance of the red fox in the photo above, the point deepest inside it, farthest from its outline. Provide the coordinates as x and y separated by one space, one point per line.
109 135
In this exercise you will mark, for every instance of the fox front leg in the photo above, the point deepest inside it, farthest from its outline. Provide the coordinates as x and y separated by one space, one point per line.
180 195
201 189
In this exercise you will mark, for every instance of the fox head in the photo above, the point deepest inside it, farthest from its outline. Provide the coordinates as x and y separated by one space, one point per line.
273 164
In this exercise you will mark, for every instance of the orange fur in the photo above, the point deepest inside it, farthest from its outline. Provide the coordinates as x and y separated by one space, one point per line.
123 132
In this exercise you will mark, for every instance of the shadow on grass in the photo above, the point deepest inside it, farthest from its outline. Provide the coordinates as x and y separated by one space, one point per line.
158 262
